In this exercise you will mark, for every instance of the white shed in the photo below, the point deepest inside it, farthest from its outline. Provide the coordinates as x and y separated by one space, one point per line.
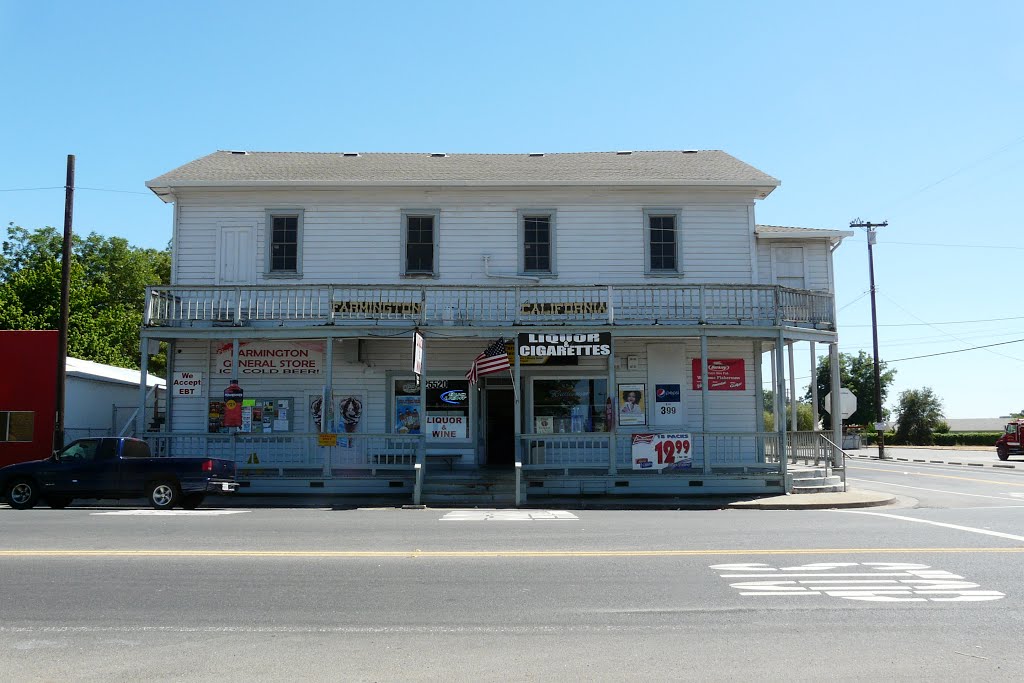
102 399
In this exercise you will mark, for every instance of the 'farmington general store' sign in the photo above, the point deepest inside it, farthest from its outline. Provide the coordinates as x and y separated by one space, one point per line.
378 307
584 344
272 358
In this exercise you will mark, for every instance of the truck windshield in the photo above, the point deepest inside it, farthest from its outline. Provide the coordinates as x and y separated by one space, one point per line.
1011 428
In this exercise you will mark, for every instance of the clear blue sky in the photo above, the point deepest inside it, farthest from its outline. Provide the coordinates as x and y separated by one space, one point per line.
911 112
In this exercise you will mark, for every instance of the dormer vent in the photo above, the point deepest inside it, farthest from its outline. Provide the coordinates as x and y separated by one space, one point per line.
536 154
624 152
238 151
350 154
439 155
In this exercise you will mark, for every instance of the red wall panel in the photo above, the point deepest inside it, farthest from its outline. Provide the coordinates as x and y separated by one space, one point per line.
28 381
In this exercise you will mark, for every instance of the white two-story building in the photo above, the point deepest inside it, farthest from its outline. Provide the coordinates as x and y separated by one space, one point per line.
633 295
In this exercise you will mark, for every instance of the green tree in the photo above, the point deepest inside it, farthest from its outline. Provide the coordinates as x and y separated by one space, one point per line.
107 294
856 373
918 416
804 418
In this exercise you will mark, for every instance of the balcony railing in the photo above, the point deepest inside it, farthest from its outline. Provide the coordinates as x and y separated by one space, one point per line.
439 305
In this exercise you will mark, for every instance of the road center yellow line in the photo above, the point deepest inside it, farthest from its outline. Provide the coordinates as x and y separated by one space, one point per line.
942 476
474 554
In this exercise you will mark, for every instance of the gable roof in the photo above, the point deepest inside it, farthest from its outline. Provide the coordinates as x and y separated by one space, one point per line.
277 169
87 369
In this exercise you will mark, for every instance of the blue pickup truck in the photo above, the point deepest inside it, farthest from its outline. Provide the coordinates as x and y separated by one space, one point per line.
111 467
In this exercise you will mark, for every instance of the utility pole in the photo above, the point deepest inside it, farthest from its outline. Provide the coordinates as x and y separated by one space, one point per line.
65 290
872 236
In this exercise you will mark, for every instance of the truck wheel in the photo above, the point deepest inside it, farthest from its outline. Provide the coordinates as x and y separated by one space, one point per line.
192 500
163 494
1003 453
58 502
22 494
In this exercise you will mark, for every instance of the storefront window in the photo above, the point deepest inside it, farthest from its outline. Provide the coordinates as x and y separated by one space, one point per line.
569 406
447 409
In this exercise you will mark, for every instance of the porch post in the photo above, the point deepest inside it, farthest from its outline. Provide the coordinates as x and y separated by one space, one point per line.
814 387
234 359
780 424
613 441
172 350
140 417
792 390
758 403
327 401
422 455
775 388
704 389
837 411
517 376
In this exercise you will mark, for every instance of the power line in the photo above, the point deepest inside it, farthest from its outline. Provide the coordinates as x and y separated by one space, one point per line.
946 353
1001 247
61 187
951 322
31 189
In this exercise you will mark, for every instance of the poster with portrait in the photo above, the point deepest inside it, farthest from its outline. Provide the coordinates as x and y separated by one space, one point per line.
350 416
631 405
407 414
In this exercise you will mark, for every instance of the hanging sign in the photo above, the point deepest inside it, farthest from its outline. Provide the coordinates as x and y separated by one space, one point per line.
233 405
417 353
724 374
187 384
661 451
531 344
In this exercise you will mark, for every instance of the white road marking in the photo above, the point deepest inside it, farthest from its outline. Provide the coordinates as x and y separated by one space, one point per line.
921 488
909 582
998 534
169 513
507 516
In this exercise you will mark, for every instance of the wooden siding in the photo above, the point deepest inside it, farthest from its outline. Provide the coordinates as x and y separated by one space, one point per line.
356 235
816 262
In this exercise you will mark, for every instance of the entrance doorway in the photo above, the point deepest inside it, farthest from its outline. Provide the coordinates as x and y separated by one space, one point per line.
501 430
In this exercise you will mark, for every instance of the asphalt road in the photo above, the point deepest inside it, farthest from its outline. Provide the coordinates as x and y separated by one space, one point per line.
925 590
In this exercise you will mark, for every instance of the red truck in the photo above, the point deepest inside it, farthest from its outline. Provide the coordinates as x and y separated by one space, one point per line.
1009 443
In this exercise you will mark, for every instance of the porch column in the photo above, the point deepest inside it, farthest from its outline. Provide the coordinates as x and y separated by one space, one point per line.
780 424
327 401
704 389
140 417
814 387
172 350
837 411
517 391
792 391
422 450
775 387
613 424
234 360
758 403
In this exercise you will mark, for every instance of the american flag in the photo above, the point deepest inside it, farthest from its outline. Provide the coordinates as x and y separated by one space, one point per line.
493 359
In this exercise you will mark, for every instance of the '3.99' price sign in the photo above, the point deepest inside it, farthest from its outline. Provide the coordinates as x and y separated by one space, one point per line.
658 451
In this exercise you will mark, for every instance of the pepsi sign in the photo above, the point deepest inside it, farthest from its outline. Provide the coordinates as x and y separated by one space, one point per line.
666 393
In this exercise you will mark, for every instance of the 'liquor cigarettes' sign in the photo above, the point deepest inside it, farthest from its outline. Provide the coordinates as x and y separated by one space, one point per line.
586 344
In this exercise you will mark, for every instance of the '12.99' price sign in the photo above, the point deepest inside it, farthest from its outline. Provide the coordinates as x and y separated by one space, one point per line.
658 451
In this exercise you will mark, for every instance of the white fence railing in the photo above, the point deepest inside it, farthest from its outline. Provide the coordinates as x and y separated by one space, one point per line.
489 306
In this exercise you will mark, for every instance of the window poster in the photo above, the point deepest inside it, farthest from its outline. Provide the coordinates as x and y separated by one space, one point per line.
407 414
350 416
258 416
631 405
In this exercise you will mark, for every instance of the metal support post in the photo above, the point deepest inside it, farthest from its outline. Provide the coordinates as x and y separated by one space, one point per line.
140 418
613 441
704 396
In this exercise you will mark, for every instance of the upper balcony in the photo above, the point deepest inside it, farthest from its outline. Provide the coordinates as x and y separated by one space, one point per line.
487 306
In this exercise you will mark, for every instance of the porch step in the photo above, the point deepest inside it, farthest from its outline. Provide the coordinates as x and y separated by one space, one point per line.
471 487
816 482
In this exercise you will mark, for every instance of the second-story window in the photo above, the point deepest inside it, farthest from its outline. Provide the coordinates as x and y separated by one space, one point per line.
285 243
662 242
537 242
420 233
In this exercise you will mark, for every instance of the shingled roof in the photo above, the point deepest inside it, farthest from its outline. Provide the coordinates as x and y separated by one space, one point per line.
247 169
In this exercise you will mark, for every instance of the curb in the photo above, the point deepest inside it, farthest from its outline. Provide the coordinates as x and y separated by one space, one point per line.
937 462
